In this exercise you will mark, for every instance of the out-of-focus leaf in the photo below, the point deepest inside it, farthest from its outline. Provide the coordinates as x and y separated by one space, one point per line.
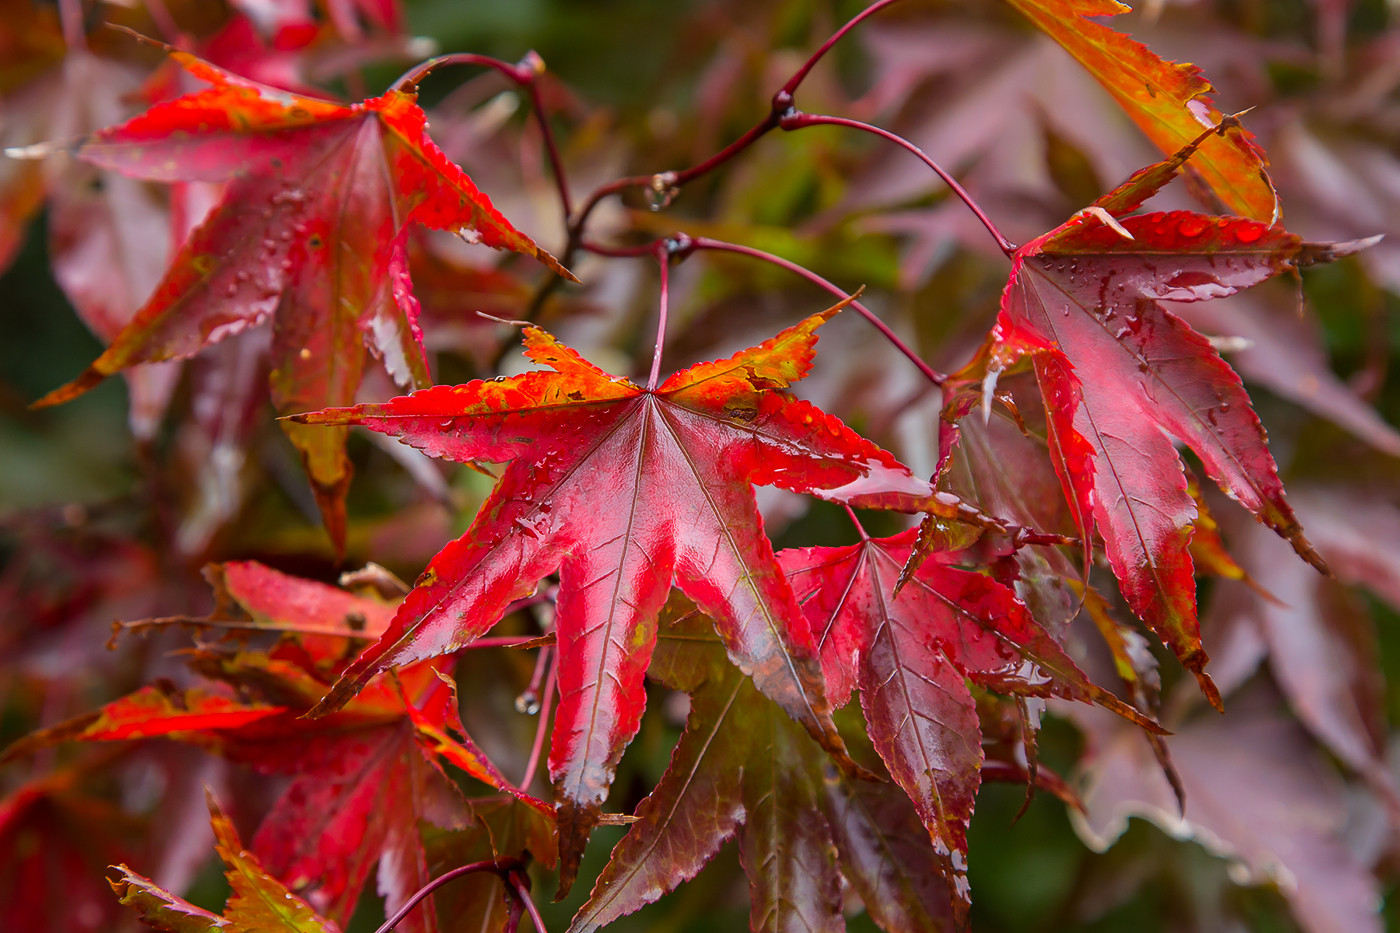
1167 100
259 903
1256 793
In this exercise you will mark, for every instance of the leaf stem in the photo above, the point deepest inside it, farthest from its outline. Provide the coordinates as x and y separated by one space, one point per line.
860 529
665 184
796 119
662 252
541 730
931 374
507 867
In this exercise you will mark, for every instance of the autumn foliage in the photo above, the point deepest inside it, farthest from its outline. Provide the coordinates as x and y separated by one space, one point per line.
1036 513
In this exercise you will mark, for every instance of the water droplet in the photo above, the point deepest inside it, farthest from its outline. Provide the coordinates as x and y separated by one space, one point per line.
446 425
1224 406
470 234
659 200
528 703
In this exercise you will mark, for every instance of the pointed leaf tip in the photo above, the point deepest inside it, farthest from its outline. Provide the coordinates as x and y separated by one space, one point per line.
88 380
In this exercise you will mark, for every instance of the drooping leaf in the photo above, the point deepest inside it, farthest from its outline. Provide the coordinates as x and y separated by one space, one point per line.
310 230
259 903
362 779
743 769
627 490
1121 376
1167 100
909 655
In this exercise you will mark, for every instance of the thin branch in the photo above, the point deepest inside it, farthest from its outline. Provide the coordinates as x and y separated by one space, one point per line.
524 74
931 374
801 74
797 120
506 867
665 184
520 884
541 730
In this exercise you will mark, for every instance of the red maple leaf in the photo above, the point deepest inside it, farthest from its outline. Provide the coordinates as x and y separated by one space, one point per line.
627 490
362 779
909 655
1122 376
310 230
742 769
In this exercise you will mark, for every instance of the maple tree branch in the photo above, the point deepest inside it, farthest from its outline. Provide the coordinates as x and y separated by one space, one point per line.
507 867
931 374
797 119
537 749
663 186
523 74
801 74
519 883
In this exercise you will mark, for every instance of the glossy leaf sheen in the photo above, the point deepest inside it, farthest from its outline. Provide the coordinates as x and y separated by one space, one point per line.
909 655
309 231
625 491
1121 376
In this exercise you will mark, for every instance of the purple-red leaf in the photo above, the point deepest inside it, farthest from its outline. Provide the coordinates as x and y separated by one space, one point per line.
625 491
310 231
1122 376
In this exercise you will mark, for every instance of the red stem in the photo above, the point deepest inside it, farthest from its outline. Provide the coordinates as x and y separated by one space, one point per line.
506 867
666 181
796 120
801 74
541 730
860 529
931 374
520 883
524 74
663 256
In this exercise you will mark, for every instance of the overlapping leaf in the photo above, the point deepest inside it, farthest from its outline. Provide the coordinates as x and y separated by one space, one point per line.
1167 100
362 779
310 230
626 490
909 656
742 768
1121 376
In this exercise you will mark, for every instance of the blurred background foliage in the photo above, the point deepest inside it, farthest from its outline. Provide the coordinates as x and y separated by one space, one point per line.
88 514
